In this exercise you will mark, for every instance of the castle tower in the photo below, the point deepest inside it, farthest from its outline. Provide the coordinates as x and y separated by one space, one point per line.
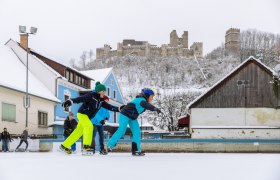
174 40
232 41
185 39
197 48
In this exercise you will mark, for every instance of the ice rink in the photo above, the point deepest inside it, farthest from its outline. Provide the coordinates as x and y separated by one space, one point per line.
123 166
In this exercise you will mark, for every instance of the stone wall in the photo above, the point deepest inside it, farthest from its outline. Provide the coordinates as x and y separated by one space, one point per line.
178 47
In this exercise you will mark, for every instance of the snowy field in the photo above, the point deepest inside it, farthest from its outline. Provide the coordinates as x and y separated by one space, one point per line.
123 166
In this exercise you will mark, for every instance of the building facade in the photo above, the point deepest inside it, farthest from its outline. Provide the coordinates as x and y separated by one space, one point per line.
63 81
240 106
106 76
12 91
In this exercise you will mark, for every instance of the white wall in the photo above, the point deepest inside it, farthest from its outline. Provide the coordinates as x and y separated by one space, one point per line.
235 123
37 104
235 117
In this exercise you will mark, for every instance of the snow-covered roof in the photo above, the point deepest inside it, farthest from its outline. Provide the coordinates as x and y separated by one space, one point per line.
251 58
13 76
98 74
56 123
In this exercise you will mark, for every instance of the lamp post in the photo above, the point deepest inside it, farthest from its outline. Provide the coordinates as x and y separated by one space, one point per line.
26 99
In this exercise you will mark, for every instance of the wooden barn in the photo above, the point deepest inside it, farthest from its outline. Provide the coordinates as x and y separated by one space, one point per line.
242 105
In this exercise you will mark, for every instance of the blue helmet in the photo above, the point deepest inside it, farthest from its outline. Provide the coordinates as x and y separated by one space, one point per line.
148 91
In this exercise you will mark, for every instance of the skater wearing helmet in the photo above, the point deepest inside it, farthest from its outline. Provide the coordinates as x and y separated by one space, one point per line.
91 103
129 115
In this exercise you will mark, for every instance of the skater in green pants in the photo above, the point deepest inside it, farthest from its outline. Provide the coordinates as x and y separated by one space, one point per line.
91 103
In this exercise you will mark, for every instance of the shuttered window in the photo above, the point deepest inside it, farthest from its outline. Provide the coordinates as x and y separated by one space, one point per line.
8 112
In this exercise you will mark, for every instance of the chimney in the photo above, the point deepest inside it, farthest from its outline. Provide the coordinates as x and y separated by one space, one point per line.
23 41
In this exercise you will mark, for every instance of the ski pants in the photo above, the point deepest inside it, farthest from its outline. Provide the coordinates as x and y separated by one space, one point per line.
21 141
73 147
100 130
5 143
134 127
84 128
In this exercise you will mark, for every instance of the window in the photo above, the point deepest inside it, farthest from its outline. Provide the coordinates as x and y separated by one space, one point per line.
115 94
71 77
77 79
112 82
115 117
108 92
8 112
42 119
65 98
83 81
67 75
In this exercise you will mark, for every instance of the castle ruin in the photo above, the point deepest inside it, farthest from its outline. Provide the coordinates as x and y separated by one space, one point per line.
176 47
232 42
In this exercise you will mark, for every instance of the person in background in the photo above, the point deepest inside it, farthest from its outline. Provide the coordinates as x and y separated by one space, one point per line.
23 138
98 121
5 138
70 125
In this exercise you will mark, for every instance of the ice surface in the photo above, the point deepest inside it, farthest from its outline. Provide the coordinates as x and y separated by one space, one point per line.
123 166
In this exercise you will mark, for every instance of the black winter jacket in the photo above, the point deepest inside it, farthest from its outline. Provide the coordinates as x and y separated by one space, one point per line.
5 135
92 102
69 126
136 107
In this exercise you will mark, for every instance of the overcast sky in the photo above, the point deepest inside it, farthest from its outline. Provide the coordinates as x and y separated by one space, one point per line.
68 27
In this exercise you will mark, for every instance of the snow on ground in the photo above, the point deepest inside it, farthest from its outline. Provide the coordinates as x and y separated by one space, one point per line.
122 166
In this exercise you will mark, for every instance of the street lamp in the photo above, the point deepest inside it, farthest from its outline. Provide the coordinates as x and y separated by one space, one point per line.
26 99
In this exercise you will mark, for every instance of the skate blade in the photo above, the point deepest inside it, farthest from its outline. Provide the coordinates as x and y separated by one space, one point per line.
87 154
59 150
138 154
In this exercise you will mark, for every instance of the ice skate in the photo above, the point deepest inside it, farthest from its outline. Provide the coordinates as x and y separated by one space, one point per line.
64 149
109 149
103 152
138 153
88 151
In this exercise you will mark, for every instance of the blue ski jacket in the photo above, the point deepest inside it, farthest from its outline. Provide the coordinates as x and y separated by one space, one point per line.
102 114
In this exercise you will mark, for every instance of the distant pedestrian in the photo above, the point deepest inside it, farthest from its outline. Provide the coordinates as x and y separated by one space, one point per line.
70 125
5 138
23 138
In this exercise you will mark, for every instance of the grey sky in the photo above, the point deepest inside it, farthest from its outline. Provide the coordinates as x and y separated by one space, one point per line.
68 27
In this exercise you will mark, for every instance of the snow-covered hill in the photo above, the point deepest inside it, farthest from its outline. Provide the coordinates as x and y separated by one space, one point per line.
177 80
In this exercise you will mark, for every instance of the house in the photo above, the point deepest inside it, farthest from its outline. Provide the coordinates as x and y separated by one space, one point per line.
242 105
63 81
106 76
12 91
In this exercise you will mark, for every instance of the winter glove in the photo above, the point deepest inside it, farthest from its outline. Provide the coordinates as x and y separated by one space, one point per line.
102 122
106 118
67 103
120 108
68 132
158 110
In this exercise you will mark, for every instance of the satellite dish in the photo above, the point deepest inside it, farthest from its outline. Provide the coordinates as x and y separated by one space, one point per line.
277 69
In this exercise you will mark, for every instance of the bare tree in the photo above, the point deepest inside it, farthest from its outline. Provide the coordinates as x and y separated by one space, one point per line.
83 61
